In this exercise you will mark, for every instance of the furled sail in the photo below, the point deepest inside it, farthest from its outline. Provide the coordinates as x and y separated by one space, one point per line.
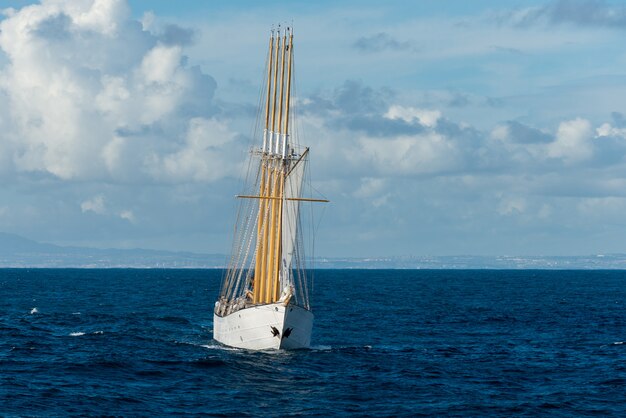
293 187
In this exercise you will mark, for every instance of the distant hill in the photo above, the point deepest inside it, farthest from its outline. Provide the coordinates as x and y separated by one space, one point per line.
11 244
17 251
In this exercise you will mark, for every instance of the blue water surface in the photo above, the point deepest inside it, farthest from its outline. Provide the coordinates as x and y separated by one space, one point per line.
385 343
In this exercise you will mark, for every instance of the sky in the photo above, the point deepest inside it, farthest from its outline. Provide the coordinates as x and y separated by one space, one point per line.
436 127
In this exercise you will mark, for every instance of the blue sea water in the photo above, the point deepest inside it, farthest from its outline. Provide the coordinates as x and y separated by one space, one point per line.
385 343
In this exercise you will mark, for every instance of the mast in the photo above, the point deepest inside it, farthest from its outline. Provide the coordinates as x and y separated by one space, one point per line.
272 177
276 225
287 99
262 225
279 184
269 88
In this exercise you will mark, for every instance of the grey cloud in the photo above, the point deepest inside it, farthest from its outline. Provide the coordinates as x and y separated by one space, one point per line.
618 119
609 151
494 102
381 42
358 107
454 130
588 12
355 97
142 130
524 134
593 13
459 100
352 98
54 28
378 126
177 35
199 102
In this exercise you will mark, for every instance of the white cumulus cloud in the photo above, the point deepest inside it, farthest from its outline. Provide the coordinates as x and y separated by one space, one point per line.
92 94
573 141
425 117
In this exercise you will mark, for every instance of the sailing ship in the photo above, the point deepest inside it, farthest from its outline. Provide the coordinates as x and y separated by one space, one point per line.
264 298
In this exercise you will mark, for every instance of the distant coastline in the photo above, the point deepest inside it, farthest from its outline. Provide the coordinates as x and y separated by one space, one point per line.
20 252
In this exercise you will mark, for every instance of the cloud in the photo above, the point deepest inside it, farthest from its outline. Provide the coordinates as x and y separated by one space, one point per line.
95 205
358 107
352 97
427 118
428 153
370 187
381 42
177 35
511 206
590 13
93 95
99 109
426 144
573 141
206 155
128 215
523 134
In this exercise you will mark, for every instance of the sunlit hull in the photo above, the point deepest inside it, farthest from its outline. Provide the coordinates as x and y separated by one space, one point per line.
265 327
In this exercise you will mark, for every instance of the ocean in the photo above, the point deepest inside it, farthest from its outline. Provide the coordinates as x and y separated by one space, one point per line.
385 343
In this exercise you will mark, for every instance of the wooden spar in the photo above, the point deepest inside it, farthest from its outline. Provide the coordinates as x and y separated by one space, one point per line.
260 245
280 95
273 262
279 241
288 95
261 224
272 240
300 199
269 82
266 232
306 151
275 89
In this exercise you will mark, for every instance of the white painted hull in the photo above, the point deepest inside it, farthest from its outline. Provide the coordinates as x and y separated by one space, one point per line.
265 327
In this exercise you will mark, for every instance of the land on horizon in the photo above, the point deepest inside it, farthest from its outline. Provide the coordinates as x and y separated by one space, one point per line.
20 252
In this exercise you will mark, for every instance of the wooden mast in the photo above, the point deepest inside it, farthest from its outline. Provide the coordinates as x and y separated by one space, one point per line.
268 230
288 95
273 170
276 127
262 225
287 49
285 131
276 203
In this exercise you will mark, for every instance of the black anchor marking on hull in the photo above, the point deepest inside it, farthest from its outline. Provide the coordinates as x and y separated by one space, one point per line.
287 332
275 332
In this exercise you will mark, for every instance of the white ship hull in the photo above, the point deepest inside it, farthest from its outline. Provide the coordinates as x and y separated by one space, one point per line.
265 327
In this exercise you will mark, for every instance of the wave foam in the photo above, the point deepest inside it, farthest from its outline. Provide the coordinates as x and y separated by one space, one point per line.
76 334
220 347
321 347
